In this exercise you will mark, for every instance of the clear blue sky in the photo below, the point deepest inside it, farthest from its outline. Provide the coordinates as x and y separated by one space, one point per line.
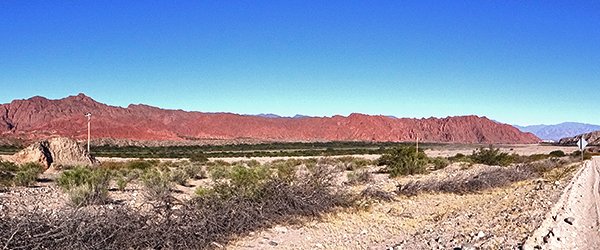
523 62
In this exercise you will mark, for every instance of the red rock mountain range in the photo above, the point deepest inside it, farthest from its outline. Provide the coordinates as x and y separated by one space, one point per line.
39 117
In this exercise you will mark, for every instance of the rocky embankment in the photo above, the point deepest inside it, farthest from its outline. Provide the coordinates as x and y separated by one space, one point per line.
55 152
593 138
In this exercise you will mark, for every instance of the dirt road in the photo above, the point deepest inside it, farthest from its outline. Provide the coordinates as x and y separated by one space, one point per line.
573 223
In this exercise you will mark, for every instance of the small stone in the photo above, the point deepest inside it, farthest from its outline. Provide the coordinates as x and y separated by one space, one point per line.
570 220
273 243
217 245
280 229
481 234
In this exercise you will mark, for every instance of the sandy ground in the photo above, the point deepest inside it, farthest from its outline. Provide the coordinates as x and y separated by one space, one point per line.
573 222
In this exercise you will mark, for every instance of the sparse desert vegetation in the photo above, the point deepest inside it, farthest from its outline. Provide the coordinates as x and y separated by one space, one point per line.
207 204
12 174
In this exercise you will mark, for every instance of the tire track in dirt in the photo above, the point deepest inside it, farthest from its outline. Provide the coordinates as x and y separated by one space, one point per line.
573 223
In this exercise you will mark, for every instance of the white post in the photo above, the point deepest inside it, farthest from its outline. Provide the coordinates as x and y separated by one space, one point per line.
417 145
89 117
582 148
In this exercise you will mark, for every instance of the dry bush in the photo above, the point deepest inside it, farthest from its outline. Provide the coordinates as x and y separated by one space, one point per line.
377 194
543 166
351 163
557 174
195 224
463 182
359 177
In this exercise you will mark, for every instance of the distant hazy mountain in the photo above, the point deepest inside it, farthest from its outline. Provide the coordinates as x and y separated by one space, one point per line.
558 131
278 116
297 116
269 115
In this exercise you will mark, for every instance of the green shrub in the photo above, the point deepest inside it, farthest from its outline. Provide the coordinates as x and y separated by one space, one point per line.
439 162
403 161
27 174
121 182
85 186
134 174
113 165
142 164
491 156
218 163
179 176
528 158
460 158
557 153
157 185
218 172
577 155
7 174
248 180
194 171
286 170
253 163
202 191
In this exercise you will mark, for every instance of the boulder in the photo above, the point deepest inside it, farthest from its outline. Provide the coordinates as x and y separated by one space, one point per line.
55 152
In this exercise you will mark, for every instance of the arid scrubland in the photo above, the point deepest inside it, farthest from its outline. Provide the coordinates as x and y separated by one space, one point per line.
489 198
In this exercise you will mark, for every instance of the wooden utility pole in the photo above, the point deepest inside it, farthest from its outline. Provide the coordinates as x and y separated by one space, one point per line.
417 145
89 118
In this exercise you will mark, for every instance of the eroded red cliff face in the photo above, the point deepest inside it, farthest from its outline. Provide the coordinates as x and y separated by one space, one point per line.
39 117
